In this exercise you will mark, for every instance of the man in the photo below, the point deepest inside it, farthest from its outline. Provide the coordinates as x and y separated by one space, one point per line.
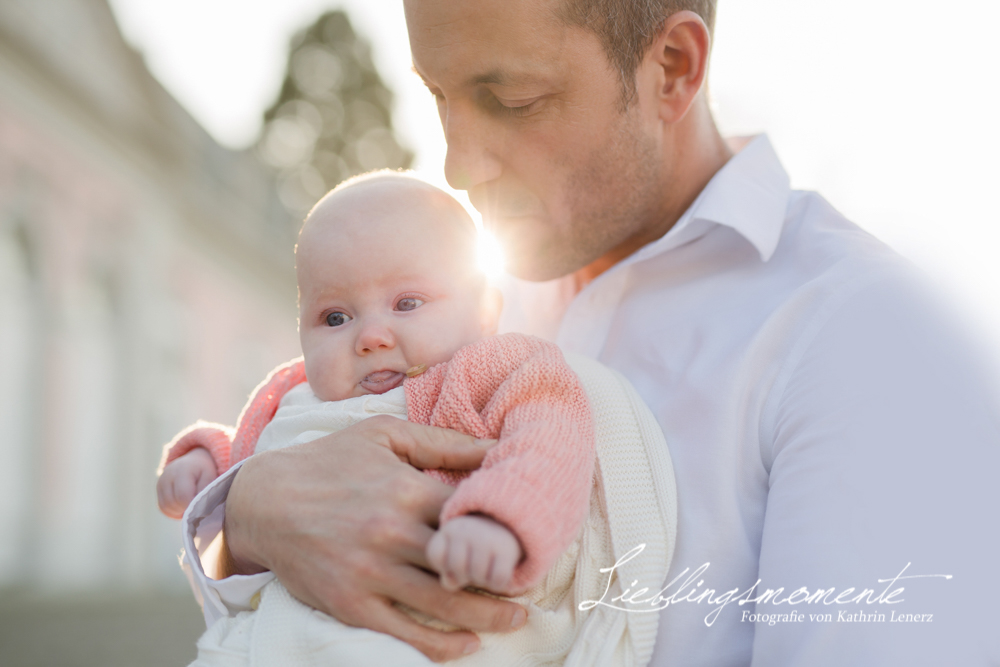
828 436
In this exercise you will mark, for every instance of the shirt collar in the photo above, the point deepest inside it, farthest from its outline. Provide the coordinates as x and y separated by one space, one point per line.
749 195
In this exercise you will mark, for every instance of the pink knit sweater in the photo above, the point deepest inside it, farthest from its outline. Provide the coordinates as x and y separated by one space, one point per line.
517 389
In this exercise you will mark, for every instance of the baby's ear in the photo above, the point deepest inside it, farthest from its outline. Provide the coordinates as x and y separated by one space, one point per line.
492 304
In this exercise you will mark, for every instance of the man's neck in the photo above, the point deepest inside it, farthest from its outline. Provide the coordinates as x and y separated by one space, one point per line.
698 157
586 275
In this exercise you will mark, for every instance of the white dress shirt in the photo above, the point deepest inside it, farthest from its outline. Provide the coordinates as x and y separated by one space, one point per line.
827 430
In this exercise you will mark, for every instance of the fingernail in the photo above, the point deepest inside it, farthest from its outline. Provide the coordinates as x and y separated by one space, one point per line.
520 616
471 647
485 443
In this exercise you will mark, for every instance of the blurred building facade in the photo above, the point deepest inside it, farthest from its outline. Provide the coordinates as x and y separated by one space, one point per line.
146 279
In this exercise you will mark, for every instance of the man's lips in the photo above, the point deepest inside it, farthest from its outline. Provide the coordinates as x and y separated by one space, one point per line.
505 202
380 382
495 217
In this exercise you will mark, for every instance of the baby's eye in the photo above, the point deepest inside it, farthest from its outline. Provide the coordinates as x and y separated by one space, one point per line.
338 318
409 303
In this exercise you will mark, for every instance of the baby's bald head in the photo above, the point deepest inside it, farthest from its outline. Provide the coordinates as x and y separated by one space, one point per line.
391 204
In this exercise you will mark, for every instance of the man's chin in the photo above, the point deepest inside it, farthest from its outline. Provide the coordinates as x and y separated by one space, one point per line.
529 255
536 267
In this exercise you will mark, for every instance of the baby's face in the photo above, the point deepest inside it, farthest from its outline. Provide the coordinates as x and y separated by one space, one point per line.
386 283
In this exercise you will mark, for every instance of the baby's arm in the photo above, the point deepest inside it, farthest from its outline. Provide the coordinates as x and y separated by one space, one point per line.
182 479
222 445
536 480
474 550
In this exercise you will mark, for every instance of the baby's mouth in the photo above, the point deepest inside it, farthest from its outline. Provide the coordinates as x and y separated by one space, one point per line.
380 382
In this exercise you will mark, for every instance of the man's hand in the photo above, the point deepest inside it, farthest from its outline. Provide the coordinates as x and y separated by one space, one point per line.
344 522
183 479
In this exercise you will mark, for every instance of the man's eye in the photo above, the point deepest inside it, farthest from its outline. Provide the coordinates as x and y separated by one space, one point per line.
514 108
409 303
336 319
516 111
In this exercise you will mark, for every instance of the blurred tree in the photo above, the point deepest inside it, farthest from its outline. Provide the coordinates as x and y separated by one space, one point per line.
332 119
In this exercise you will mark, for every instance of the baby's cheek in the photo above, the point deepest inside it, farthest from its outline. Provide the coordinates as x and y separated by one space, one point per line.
465 331
321 389
334 388
323 378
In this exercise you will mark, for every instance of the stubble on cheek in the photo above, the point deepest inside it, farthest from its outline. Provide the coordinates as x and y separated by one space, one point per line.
612 196
605 196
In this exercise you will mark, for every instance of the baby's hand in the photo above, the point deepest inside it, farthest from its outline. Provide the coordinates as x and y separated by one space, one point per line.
475 551
182 479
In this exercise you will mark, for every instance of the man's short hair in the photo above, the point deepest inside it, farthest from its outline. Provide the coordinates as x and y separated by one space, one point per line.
627 28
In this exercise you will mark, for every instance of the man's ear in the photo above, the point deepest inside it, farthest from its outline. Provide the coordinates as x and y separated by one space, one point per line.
675 67
492 305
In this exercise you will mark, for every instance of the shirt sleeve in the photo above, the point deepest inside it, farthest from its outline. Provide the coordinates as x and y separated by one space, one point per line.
201 524
881 446
202 521
537 479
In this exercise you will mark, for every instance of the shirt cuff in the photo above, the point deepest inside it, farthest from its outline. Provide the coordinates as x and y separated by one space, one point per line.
202 523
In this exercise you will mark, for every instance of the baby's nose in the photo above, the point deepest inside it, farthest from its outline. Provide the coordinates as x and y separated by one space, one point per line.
374 337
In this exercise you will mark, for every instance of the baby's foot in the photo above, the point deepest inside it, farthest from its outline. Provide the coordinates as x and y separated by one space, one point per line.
475 551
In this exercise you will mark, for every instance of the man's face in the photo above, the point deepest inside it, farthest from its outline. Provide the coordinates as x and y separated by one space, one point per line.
531 111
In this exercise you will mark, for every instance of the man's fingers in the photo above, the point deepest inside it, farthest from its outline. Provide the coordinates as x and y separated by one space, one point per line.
437 645
437 552
427 447
345 526
415 550
421 495
379 614
423 592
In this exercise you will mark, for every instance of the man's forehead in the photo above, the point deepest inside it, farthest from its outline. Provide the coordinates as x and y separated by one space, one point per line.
441 17
503 42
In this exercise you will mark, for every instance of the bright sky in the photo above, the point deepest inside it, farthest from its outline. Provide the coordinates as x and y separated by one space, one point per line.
887 107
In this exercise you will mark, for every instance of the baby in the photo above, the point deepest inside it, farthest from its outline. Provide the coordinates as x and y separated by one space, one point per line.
395 319
388 287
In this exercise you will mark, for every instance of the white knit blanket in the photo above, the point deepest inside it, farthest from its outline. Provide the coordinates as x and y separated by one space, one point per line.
633 502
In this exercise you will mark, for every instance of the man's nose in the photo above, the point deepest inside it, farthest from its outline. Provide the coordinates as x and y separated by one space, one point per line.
374 336
472 142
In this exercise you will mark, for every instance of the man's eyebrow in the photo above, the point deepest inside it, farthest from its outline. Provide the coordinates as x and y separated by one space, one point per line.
498 76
